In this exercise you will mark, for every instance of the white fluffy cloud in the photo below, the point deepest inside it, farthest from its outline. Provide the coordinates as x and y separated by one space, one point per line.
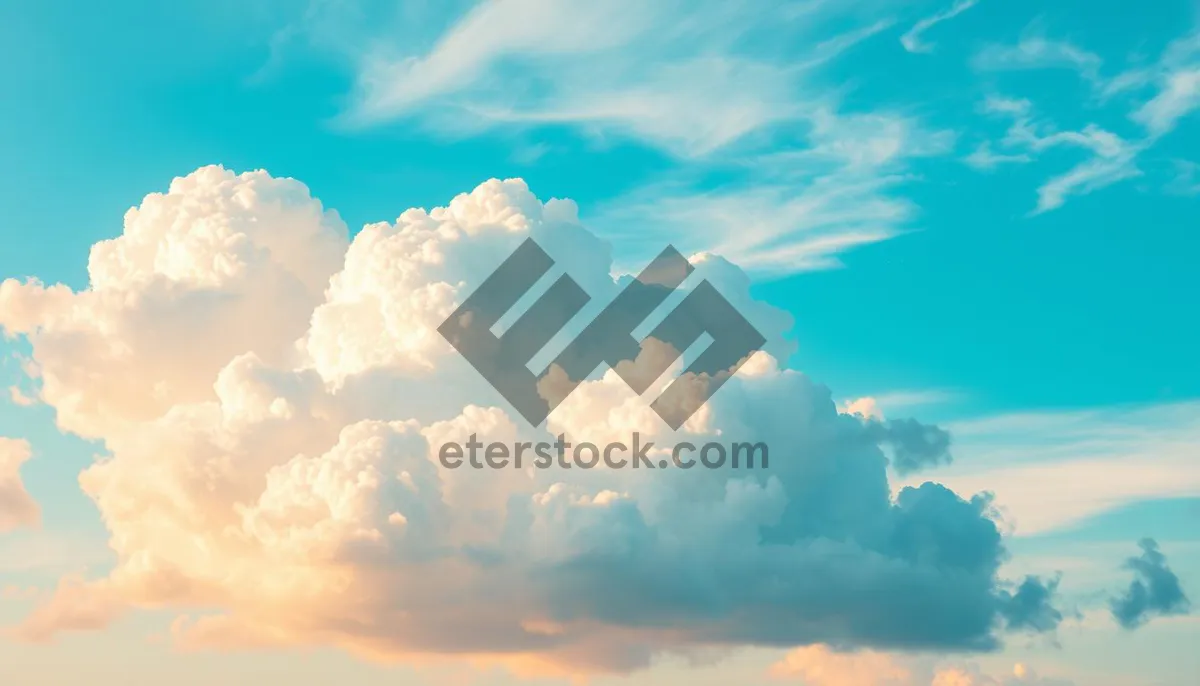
272 397
17 508
220 265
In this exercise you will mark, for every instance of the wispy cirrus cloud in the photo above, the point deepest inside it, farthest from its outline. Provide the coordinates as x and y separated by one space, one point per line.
720 90
665 72
984 158
1174 79
795 208
689 78
1050 470
1034 51
912 39
1178 96
1187 178
1112 159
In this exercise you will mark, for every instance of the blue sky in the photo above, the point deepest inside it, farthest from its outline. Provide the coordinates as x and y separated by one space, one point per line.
1050 298
983 213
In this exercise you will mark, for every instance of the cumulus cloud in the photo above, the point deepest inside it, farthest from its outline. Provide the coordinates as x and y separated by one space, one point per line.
912 446
17 507
271 398
1155 590
220 265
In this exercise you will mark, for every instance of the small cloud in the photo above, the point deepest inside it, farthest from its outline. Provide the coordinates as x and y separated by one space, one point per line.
866 408
1186 181
996 104
984 159
17 507
19 398
1031 608
1154 591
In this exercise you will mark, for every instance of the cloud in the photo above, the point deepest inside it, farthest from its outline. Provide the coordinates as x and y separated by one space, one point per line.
73 606
709 85
614 65
1113 159
984 159
1175 76
866 408
875 405
1178 97
912 40
995 104
1031 607
1155 590
914 446
677 75
19 398
270 399
1082 180
249 256
17 507
821 666
1112 457
1176 79
1036 52
790 209
1185 181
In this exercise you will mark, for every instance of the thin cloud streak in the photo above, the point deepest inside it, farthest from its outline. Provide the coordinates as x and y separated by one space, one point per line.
912 40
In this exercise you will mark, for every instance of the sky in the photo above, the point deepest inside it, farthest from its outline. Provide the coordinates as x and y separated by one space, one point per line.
967 229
